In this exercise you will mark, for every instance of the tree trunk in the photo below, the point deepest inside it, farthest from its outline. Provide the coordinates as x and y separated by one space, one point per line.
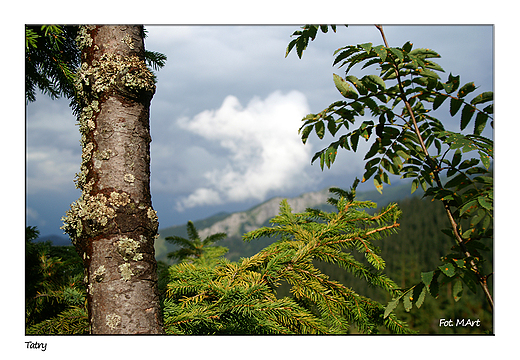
113 224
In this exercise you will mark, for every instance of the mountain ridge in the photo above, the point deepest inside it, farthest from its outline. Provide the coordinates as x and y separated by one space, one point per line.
237 223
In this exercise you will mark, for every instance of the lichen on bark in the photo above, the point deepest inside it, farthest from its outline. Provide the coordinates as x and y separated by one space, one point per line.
113 223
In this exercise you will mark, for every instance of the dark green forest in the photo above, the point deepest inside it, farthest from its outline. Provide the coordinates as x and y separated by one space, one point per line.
54 286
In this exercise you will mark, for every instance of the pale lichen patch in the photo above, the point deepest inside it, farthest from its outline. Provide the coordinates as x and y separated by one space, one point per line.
115 71
152 214
83 39
128 41
128 249
129 178
119 199
90 214
113 321
99 273
126 271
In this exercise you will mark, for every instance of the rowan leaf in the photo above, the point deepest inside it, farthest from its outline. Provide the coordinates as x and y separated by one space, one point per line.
368 173
480 123
331 126
420 298
447 269
466 89
397 53
378 183
344 88
357 84
390 307
457 290
425 53
467 114
380 50
467 206
350 50
455 105
320 129
485 159
456 158
452 84
407 47
485 202
482 98
305 133
376 80
427 277
366 46
407 301
354 139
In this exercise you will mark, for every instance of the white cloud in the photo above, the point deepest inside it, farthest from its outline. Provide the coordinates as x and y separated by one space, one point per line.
264 151
32 214
50 169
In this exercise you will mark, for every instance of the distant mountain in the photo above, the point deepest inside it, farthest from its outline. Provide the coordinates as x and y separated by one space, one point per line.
56 240
238 223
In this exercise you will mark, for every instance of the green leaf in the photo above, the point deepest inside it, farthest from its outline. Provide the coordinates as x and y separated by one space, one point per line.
467 206
455 105
480 123
457 290
466 89
459 262
485 159
457 181
381 52
415 185
407 301
373 150
470 280
420 298
368 173
485 202
439 99
305 133
345 54
376 80
425 53
320 129
367 47
482 98
467 114
447 269
331 126
354 139
357 84
390 307
378 184
429 74
452 84
331 152
344 88
427 277
407 47
456 158
398 53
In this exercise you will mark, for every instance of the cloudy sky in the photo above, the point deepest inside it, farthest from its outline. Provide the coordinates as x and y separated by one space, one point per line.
225 117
